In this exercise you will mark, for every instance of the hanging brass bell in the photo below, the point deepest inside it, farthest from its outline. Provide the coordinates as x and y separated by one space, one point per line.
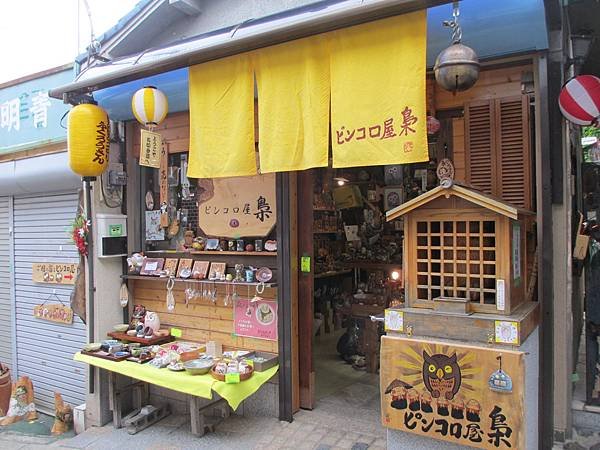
456 68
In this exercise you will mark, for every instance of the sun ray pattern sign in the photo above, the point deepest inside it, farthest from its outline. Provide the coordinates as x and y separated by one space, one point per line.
462 394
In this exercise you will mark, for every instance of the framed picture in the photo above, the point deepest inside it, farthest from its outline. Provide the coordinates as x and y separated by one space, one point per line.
200 269
185 264
392 197
217 269
171 266
394 174
152 266
212 244
154 232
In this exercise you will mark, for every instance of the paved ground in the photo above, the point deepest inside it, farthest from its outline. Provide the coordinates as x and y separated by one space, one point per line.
348 419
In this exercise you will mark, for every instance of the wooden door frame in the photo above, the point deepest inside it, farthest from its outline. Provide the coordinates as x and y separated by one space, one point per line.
306 181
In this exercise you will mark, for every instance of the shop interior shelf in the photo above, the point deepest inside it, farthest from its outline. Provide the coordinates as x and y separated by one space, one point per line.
214 252
333 273
188 280
371 265
327 232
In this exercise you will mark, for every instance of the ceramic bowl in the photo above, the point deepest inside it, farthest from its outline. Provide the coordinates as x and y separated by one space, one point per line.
92 347
122 327
198 366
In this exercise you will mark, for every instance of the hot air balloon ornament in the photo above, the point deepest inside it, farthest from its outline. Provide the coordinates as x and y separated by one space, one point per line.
150 107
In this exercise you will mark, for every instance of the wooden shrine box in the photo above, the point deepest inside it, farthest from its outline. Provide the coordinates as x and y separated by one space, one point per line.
464 252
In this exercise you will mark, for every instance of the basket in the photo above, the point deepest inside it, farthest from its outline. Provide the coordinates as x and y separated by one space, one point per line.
221 377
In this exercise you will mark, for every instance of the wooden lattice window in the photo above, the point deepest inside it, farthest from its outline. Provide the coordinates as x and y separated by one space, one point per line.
457 258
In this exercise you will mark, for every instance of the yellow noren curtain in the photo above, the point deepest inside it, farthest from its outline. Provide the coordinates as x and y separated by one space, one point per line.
293 104
222 118
378 112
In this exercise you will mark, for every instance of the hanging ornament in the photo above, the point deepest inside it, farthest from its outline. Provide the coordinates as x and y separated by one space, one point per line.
500 381
88 140
170 297
433 125
123 295
150 106
579 100
456 67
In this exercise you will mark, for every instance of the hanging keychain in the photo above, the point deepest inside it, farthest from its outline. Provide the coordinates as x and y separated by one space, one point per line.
123 295
260 288
170 297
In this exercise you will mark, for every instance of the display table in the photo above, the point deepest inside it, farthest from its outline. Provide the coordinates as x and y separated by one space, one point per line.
194 385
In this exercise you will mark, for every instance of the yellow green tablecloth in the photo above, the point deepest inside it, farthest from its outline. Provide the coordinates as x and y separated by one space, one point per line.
198 385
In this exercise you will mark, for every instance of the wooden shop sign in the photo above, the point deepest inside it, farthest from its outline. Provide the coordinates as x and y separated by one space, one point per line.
54 313
237 207
150 149
54 273
462 394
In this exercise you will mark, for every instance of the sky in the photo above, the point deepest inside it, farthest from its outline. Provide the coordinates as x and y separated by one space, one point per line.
36 35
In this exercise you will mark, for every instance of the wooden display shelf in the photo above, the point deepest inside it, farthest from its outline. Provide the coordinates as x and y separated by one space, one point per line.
333 273
324 209
213 252
155 340
192 280
327 232
372 265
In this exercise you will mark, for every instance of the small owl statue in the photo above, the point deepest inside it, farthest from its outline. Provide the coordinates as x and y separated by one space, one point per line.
441 375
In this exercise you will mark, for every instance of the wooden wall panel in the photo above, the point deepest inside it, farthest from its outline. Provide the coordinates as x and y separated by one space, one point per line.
495 83
175 130
458 149
202 320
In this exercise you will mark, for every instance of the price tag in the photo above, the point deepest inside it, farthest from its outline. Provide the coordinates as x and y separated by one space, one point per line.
176 332
232 378
305 264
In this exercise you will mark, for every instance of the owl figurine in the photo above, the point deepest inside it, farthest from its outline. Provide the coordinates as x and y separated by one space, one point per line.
441 375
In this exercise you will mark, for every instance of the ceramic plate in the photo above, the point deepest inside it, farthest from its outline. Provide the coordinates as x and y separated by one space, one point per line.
264 274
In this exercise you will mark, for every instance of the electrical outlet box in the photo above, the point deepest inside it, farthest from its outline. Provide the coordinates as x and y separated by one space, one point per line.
111 235
117 178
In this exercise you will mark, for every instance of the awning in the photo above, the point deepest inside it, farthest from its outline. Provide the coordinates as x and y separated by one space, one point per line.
47 173
501 29
289 25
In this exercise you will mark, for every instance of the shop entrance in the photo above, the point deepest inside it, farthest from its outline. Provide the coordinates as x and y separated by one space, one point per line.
351 270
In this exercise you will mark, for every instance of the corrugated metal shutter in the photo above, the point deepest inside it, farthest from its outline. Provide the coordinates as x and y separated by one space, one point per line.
45 349
6 331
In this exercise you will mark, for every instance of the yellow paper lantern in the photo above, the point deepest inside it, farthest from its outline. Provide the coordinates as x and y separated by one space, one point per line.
88 140
150 106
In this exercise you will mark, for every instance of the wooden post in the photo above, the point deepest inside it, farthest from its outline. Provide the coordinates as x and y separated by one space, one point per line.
115 399
197 419
306 180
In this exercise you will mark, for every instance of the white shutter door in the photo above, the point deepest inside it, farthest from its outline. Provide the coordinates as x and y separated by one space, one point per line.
45 349
6 331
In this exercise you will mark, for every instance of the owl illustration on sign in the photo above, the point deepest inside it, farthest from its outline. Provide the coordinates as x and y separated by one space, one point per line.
441 375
